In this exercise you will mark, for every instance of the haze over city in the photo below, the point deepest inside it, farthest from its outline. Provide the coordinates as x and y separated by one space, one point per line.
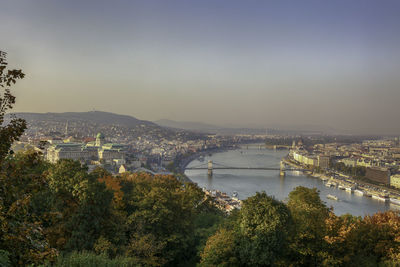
231 63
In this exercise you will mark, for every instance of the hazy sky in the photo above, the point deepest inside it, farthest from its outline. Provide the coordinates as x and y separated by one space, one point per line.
249 63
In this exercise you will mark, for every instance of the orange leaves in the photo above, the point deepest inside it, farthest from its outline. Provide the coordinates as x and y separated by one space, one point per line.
338 228
113 184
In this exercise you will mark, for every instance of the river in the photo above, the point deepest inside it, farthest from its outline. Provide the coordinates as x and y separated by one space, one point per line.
248 182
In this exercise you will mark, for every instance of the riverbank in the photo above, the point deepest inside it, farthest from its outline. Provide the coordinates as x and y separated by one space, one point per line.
350 185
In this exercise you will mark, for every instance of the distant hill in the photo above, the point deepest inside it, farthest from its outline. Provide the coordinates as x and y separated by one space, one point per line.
275 129
206 128
99 117
188 125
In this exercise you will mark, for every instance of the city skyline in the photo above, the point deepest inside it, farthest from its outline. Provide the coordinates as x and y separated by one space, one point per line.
249 64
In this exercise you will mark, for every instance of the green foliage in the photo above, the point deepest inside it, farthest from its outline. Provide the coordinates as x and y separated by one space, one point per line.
69 178
91 218
4 258
264 225
14 129
143 220
358 171
309 214
22 229
164 209
100 172
220 250
89 259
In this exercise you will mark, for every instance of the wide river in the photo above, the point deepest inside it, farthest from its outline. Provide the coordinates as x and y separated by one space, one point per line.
248 182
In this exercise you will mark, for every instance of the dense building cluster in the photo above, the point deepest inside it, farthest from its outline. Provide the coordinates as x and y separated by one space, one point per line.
380 158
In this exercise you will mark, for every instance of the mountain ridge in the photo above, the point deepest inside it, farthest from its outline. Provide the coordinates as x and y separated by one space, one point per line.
100 117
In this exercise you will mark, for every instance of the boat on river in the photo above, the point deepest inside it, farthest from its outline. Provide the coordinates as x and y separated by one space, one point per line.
349 189
384 198
330 184
333 197
359 192
395 201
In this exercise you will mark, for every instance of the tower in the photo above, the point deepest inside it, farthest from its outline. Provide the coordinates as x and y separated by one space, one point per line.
210 168
66 129
99 140
282 171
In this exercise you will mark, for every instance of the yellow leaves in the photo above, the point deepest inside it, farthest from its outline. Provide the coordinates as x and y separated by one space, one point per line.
336 231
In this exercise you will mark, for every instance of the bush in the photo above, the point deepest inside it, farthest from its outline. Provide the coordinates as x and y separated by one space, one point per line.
4 259
87 259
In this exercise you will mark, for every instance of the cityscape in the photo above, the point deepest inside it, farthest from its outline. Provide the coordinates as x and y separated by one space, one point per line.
199 133
368 167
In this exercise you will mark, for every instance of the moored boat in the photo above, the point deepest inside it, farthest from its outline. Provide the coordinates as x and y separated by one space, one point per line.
349 189
359 192
383 198
395 201
332 197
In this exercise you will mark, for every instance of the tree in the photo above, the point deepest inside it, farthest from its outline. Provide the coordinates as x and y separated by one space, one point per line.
83 207
264 225
162 210
14 129
220 250
22 231
309 214
92 218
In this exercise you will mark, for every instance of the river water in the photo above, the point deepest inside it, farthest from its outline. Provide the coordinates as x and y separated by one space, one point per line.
248 182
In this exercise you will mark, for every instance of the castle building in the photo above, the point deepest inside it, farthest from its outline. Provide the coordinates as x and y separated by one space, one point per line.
97 150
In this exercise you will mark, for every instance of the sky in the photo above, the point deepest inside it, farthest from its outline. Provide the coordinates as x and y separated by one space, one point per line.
252 63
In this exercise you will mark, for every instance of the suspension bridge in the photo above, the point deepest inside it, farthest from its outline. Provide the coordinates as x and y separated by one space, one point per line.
210 166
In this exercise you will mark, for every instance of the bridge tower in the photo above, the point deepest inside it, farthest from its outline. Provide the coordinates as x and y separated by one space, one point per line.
210 168
282 171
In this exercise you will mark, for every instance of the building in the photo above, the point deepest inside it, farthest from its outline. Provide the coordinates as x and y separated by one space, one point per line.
122 169
395 180
349 162
97 150
304 158
380 175
75 151
323 161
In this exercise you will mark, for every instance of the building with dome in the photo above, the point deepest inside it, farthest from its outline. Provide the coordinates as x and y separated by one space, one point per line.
98 150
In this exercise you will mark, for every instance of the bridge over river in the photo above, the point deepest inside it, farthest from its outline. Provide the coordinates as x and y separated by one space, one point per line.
210 166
